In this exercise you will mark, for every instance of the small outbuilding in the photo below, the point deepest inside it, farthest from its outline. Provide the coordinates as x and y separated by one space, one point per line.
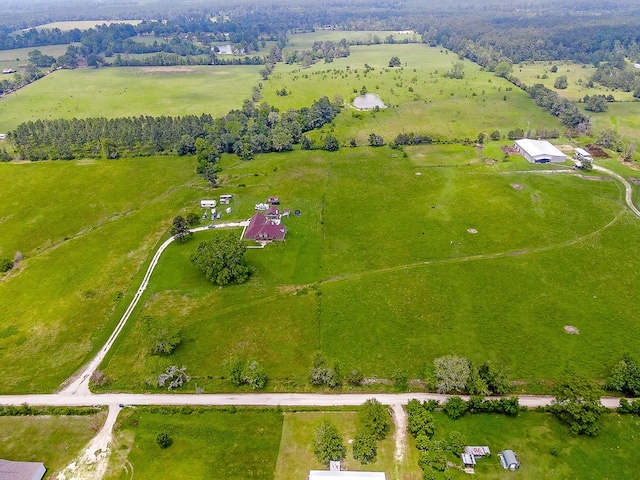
273 200
208 203
468 460
509 460
539 151
10 470
225 199
582 154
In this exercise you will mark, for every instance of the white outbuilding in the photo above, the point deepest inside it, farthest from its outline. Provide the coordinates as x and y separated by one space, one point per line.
208 203
539 151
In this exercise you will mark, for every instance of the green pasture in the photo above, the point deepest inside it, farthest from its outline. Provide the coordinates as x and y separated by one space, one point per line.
85 229
441 155
534 436
304 41
130 91
54 440
21 55
623 117
381 250
419 97
296 457
578 75
212 443
82 24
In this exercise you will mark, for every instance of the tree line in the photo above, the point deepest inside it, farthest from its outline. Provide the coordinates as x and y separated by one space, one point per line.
253 129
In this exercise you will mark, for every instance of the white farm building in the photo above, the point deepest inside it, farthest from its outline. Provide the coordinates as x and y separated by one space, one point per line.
539 151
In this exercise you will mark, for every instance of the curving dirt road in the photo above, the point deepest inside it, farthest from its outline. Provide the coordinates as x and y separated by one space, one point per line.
628 189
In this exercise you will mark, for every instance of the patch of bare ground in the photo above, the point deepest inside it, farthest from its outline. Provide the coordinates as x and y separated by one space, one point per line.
634 180
516 186
571 330
400 420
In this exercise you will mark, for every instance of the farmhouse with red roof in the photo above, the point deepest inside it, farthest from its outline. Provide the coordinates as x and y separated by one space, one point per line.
263 229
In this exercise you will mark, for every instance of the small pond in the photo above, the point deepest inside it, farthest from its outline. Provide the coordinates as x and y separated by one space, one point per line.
368 101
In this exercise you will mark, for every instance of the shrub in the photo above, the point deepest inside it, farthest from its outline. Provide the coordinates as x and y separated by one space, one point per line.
400 379
373 417
5 264
321 375
354 377
420 420
451 373
455 407
456 443
164 440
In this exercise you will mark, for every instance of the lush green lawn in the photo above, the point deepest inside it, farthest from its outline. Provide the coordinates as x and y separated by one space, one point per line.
392 255
122 92
53 440
296 456
533 436
421 99
211 444
85 228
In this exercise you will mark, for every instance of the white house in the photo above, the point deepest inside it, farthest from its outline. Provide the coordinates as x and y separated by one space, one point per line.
346 475
539 151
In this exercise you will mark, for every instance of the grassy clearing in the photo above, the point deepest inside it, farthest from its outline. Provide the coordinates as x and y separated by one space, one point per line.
82 24
304 41
418 93
20 55
123 92
441 155
53 440
85 228
296 456
212 444
533 436
399 243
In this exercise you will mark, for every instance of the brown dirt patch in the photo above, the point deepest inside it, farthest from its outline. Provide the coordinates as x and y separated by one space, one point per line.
596 151
509 150
571 330
516 186
472 230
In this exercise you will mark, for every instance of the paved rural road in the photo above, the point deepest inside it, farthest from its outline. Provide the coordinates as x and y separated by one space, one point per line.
628 195
251 399
79 383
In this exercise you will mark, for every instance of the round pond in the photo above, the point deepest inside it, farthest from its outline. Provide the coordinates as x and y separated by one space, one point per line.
368 101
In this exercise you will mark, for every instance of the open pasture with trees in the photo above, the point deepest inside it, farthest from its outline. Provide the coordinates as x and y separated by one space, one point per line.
203 443
130 92
452 261
85 229
420 96
54 440
544 446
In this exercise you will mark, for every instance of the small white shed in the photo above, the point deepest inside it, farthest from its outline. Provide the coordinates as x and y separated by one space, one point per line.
208 203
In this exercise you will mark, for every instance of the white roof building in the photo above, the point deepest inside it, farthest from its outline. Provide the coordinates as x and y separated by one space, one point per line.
539 151
582 153
21 470
350 475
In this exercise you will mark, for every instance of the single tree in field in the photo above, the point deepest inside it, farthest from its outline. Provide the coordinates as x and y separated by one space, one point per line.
210 174
561 82
222 260
374 418
162 335
364 446
180 228
395 62
327 443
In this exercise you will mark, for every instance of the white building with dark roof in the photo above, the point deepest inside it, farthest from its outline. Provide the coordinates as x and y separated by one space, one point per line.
539 151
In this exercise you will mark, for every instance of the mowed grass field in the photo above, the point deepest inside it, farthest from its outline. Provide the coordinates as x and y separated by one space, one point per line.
420 97
125 92
85 228
533 436
380 250
54 440
227 444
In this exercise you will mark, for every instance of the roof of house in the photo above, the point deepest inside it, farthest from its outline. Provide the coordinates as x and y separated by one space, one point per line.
260 228
273 211
537 148
325 474
10 470
510 457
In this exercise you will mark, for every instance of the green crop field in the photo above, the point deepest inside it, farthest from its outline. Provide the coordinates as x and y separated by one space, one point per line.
54 440
210 444
124 92
85 228
420 98
451 261
544 446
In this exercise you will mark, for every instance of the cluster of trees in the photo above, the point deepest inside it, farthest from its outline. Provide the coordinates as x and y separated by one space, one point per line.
568 112
326 50
31 74
452 374
222 260
244 132
577 403
161 335
617 74
421 425
625 377
169 59
597 103
373 425
245 372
